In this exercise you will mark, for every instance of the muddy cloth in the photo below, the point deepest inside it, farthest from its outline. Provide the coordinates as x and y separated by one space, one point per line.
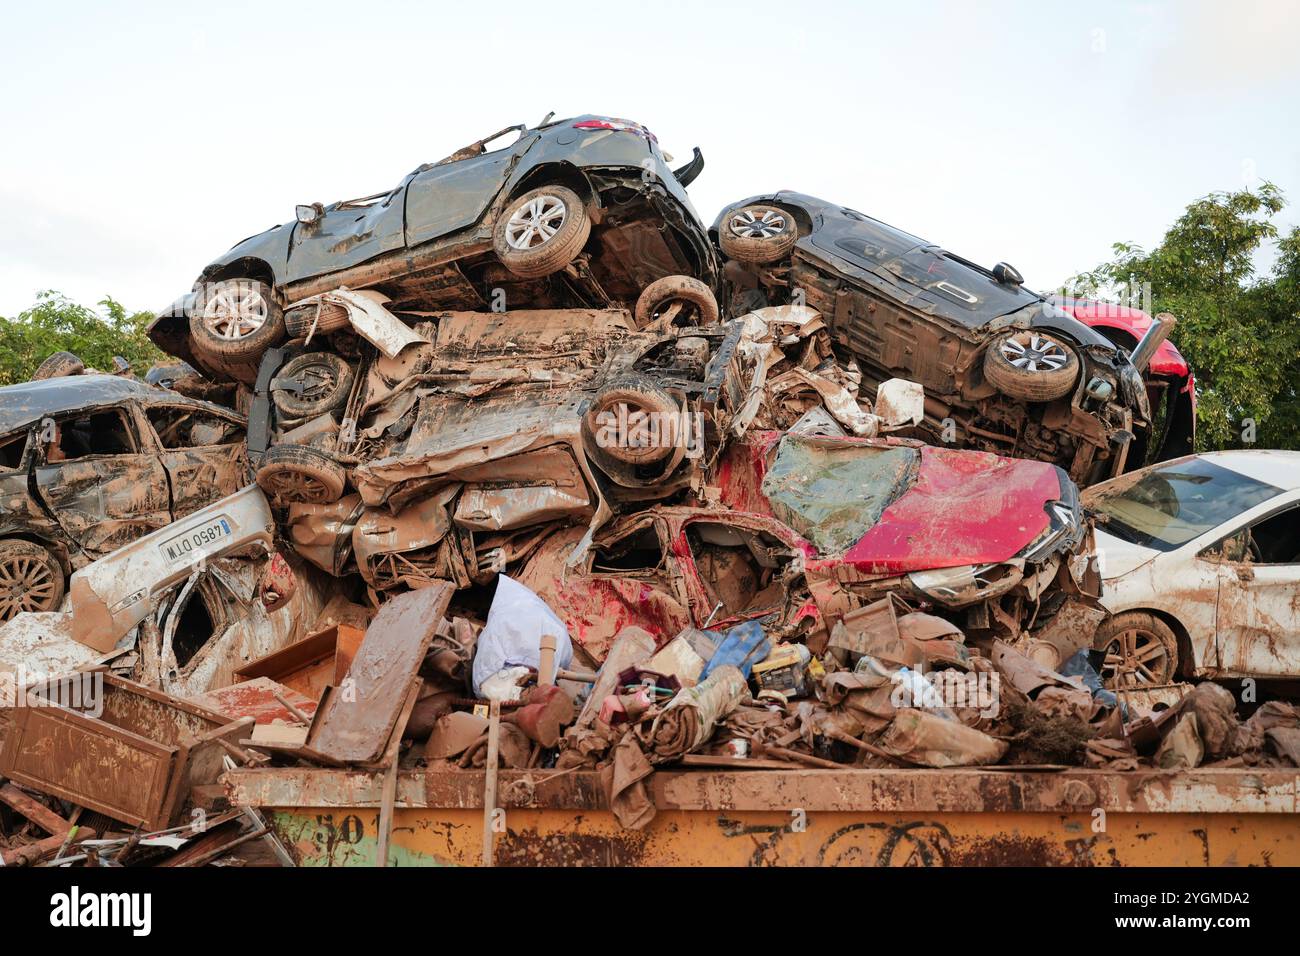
1221 734
1181 749
624 782
923 738
689 719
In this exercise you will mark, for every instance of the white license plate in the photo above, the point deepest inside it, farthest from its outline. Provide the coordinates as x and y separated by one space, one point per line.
194 544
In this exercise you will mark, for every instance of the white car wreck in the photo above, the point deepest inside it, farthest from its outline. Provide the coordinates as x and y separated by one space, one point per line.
1200 563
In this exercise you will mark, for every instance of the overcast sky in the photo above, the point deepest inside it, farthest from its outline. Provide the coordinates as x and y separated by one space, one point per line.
142 140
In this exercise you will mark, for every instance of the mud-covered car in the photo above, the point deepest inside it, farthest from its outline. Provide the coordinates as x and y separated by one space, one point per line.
89 463
575 212
1003 369
809 528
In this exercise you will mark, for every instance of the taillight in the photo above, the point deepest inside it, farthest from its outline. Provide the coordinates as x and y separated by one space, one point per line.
625 126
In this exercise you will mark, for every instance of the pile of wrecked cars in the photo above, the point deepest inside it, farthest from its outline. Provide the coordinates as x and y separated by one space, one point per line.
516 487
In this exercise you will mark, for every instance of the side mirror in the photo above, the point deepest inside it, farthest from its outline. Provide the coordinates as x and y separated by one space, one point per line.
308 214
1007 274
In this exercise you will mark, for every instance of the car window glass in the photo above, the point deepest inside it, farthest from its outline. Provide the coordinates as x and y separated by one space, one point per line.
101 433
11 451
1169 504
180 427
639 551
738 568
1277 538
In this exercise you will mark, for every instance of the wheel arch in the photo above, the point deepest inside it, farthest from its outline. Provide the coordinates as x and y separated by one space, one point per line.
245 267
1187 663
52 545
556 174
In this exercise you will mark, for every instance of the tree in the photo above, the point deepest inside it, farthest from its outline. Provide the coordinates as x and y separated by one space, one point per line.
56 324
1239 332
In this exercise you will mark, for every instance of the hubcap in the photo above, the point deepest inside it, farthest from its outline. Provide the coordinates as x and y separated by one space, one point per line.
26 584
1038 352
1133 658
294 486
317 381
235 310
748 226
535 222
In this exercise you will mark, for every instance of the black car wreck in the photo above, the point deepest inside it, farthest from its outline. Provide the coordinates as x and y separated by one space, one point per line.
1004 370
580 212
89 463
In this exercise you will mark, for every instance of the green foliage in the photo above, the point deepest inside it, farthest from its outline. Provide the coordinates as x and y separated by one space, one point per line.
1240 332
56 324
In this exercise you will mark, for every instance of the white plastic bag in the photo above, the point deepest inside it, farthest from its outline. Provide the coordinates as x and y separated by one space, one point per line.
512 636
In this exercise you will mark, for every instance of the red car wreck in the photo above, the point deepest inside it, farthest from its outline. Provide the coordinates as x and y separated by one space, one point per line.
809 528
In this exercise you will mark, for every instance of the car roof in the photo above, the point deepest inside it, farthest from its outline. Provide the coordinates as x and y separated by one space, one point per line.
28 402
1275 467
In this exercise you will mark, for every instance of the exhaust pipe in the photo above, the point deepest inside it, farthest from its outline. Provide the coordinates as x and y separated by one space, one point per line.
1142 352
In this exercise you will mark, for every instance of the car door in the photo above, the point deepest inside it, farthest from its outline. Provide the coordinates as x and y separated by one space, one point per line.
1259 596
349 233
732 570
201 450
102 483
449 196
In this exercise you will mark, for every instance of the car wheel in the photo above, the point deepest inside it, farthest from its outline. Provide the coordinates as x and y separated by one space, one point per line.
1032 366
678 301
298 474
758 234
541 232
31 579
317 318
236 321
627 421
1141 650
312 385
58 365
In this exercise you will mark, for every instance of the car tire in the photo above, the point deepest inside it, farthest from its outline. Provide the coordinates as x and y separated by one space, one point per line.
758 234
58 365
298 321
552 213
1048 366
698 304
235 321
299 474
31 578
1141 650
312 385
636 393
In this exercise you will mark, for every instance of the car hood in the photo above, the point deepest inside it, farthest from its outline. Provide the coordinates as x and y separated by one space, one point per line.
1118 557
964 508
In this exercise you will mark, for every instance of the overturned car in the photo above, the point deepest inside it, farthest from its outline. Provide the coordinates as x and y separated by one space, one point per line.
1004 370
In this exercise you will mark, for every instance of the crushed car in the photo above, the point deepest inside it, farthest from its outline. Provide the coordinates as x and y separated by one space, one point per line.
1003 369
90 462
581 212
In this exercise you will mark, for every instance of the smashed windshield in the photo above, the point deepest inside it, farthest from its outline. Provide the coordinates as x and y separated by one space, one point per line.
1167 505
833 492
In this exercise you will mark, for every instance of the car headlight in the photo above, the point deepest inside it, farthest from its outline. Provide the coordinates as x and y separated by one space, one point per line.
957 587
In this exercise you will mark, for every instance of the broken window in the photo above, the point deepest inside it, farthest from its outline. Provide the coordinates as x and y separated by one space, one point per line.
181 427
739 568
639 551
1276 539
193 630
101 433
11 451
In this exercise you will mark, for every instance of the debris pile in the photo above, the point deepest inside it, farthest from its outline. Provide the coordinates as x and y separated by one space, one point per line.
544 484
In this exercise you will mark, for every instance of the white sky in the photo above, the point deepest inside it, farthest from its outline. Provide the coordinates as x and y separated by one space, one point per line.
142 140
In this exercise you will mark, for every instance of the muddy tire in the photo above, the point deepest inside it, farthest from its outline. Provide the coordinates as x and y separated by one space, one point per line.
298 474
298 321
312 385
617 422
58 365
235 321
694 301
541 232
31 578
758 234
1141 650
1032 366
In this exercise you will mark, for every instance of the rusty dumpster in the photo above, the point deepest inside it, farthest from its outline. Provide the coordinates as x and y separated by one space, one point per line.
850 817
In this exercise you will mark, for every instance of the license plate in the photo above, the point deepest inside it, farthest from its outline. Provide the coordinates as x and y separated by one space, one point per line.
194 544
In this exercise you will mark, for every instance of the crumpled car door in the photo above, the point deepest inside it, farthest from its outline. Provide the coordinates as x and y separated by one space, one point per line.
108 491
201 451
451 195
